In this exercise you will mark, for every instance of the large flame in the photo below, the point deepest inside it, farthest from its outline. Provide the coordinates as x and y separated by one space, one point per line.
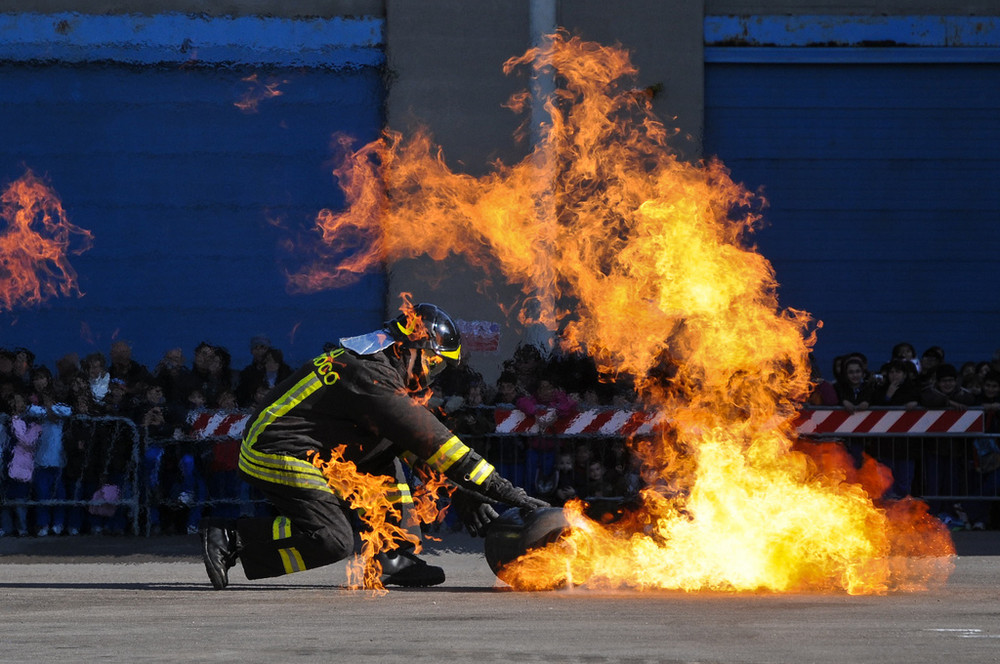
36 238
649 269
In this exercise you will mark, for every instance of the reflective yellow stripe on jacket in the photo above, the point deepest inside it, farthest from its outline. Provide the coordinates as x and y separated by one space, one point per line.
454 450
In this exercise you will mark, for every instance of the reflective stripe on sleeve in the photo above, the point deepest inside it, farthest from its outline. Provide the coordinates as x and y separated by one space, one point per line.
281 528
400 494
482 471
446 455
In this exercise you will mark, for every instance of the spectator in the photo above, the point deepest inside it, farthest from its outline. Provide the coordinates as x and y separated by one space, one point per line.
945 391
853 391
906 352
67 373
24 362
597 485
929 362
226 400
576 370
172 373
50 457
897 388
134 375
275 368
116 401
547 403
507 453
583 454
617 465
989 401
984 475
6 365
21 468
823 392
507 392
210 372
253 374
95 366
968 378
157 422
469 418
942 472
455 380
78 440
526 366
564 481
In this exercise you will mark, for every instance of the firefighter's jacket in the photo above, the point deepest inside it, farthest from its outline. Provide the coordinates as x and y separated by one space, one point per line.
362 402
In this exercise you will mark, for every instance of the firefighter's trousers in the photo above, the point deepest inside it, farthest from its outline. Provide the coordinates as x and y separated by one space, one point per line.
313 528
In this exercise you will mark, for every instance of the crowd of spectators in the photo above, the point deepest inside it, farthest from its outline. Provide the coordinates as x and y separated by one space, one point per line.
66 474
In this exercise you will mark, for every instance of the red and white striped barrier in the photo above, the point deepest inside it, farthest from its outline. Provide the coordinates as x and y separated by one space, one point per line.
882 422
593 422
216 424
224 424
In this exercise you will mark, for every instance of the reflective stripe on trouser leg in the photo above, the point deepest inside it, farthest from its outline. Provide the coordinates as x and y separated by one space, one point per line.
313 530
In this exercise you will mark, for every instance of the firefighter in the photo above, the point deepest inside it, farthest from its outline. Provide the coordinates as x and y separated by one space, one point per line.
359 393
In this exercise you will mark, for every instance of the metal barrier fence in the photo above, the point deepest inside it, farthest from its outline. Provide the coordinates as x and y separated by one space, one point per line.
941 456
117 479
90 485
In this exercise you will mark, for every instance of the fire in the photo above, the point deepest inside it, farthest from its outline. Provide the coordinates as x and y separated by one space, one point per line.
650 268
35 239
257 92
414 328
371 497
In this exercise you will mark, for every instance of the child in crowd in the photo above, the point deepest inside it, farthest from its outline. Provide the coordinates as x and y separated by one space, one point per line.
50 458
21 469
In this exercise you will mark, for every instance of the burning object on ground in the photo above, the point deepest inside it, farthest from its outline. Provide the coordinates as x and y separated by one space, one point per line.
646 262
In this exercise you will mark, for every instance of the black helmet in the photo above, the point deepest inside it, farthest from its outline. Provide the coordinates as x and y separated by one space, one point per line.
438 331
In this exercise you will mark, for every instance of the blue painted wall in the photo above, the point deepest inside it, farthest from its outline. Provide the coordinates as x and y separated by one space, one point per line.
179 188
884 207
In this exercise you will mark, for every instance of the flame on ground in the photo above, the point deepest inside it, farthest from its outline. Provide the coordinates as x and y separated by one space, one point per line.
650 269
35 241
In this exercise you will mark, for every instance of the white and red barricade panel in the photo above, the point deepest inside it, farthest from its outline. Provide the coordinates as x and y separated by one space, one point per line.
613 423
889 422
216 424
587 422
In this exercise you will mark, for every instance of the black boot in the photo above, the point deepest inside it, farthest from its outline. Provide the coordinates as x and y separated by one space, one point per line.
402 568
220 548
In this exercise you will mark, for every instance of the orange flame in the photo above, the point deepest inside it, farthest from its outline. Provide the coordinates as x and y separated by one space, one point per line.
650 269
35 239
371 497
428 494
257 92
414 328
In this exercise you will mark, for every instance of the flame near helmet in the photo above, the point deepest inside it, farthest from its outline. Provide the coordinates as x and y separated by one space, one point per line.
427 326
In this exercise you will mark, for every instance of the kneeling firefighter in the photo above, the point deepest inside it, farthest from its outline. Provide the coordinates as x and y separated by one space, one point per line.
359 395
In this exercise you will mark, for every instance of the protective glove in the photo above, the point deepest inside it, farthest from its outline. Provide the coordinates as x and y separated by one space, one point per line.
501 490
474 510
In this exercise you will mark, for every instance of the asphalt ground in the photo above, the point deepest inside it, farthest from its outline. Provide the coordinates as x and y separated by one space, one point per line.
115 599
